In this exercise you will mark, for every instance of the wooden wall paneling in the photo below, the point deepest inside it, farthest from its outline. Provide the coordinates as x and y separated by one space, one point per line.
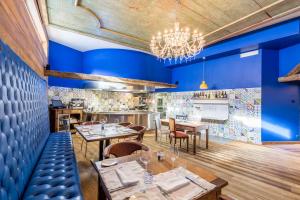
18 31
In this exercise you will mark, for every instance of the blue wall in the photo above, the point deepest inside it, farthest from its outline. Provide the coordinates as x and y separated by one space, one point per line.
288 58
280 102
125 63
64 59
221 73
112 62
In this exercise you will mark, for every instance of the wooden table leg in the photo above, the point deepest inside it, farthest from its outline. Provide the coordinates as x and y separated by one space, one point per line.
101 193
107 143
194 142
206 138
101 150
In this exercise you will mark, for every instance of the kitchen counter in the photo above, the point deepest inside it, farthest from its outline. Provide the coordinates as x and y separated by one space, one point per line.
136 117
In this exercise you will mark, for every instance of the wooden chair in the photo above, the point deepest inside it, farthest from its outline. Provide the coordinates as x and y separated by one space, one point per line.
87 123
126 124
176 134
124 148
159 130
141 130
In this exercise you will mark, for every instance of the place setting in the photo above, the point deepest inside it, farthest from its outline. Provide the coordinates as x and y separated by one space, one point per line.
136 179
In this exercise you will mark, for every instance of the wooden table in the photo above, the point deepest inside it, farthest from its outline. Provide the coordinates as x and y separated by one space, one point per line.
163 166
191 127
110 131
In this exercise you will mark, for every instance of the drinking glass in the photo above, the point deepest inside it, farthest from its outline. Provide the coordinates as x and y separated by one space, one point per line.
145 158
148 178
174 154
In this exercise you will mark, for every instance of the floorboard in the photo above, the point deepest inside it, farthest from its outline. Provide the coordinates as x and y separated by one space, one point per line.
253 171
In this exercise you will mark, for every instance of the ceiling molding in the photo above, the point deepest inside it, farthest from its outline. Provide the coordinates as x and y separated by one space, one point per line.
245 17
78 3
83 42
290 14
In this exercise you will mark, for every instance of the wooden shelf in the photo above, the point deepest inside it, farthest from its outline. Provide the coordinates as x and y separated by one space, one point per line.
94 77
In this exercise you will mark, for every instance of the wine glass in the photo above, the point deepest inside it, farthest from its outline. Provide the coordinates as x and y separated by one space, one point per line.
174 154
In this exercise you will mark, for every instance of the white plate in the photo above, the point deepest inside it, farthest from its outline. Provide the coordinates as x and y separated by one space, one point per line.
108 162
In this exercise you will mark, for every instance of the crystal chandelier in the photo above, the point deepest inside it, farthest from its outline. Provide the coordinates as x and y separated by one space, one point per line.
178 44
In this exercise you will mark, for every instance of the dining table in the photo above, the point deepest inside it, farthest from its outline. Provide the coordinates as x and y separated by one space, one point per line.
104 133
204 184
192 127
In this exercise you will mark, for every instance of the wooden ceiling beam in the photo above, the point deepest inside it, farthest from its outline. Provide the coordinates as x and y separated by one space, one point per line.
93 77
291 78
295 70
293 75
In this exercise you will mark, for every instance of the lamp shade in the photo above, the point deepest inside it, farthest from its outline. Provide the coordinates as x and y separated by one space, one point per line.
203 85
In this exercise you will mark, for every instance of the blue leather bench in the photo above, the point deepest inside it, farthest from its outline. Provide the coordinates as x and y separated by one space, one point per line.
34 163
56 175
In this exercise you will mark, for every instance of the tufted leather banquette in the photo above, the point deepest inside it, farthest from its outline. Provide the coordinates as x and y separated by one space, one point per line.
34 164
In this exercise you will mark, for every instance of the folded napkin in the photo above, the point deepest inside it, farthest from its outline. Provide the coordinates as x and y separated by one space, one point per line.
126 176
173 183
191 194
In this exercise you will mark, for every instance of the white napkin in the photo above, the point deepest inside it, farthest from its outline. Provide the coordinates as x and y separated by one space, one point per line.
173 183
126 176
192 193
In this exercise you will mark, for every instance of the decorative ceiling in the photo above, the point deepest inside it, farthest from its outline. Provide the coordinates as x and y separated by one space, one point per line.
133 22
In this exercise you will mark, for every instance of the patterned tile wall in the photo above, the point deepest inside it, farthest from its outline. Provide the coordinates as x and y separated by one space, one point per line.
244 123
99 100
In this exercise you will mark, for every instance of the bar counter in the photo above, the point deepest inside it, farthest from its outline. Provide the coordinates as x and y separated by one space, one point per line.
137 117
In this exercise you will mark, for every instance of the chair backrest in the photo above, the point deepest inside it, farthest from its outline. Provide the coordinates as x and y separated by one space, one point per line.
126 124
157 123
124 148
141 130
172 125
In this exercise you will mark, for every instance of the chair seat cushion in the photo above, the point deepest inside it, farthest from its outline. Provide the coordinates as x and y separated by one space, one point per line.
180 134
56 175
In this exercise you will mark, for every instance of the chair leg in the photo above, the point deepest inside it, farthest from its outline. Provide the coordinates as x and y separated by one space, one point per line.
180 142
81 144
175 140
187 144
85 149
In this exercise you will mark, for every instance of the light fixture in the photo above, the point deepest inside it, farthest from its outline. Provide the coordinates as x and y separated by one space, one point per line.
203 85
178 43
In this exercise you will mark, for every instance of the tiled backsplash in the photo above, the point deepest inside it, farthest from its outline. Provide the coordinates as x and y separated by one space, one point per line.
100 100
244 121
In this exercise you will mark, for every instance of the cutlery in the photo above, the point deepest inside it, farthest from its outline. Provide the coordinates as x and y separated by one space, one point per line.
165 194
195 182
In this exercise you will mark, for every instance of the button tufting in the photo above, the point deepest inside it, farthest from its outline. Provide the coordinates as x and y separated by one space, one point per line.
24 138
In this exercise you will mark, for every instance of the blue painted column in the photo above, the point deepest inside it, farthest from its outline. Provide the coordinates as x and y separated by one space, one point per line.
280 102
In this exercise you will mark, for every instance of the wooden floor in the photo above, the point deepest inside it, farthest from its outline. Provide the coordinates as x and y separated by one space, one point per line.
253 171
